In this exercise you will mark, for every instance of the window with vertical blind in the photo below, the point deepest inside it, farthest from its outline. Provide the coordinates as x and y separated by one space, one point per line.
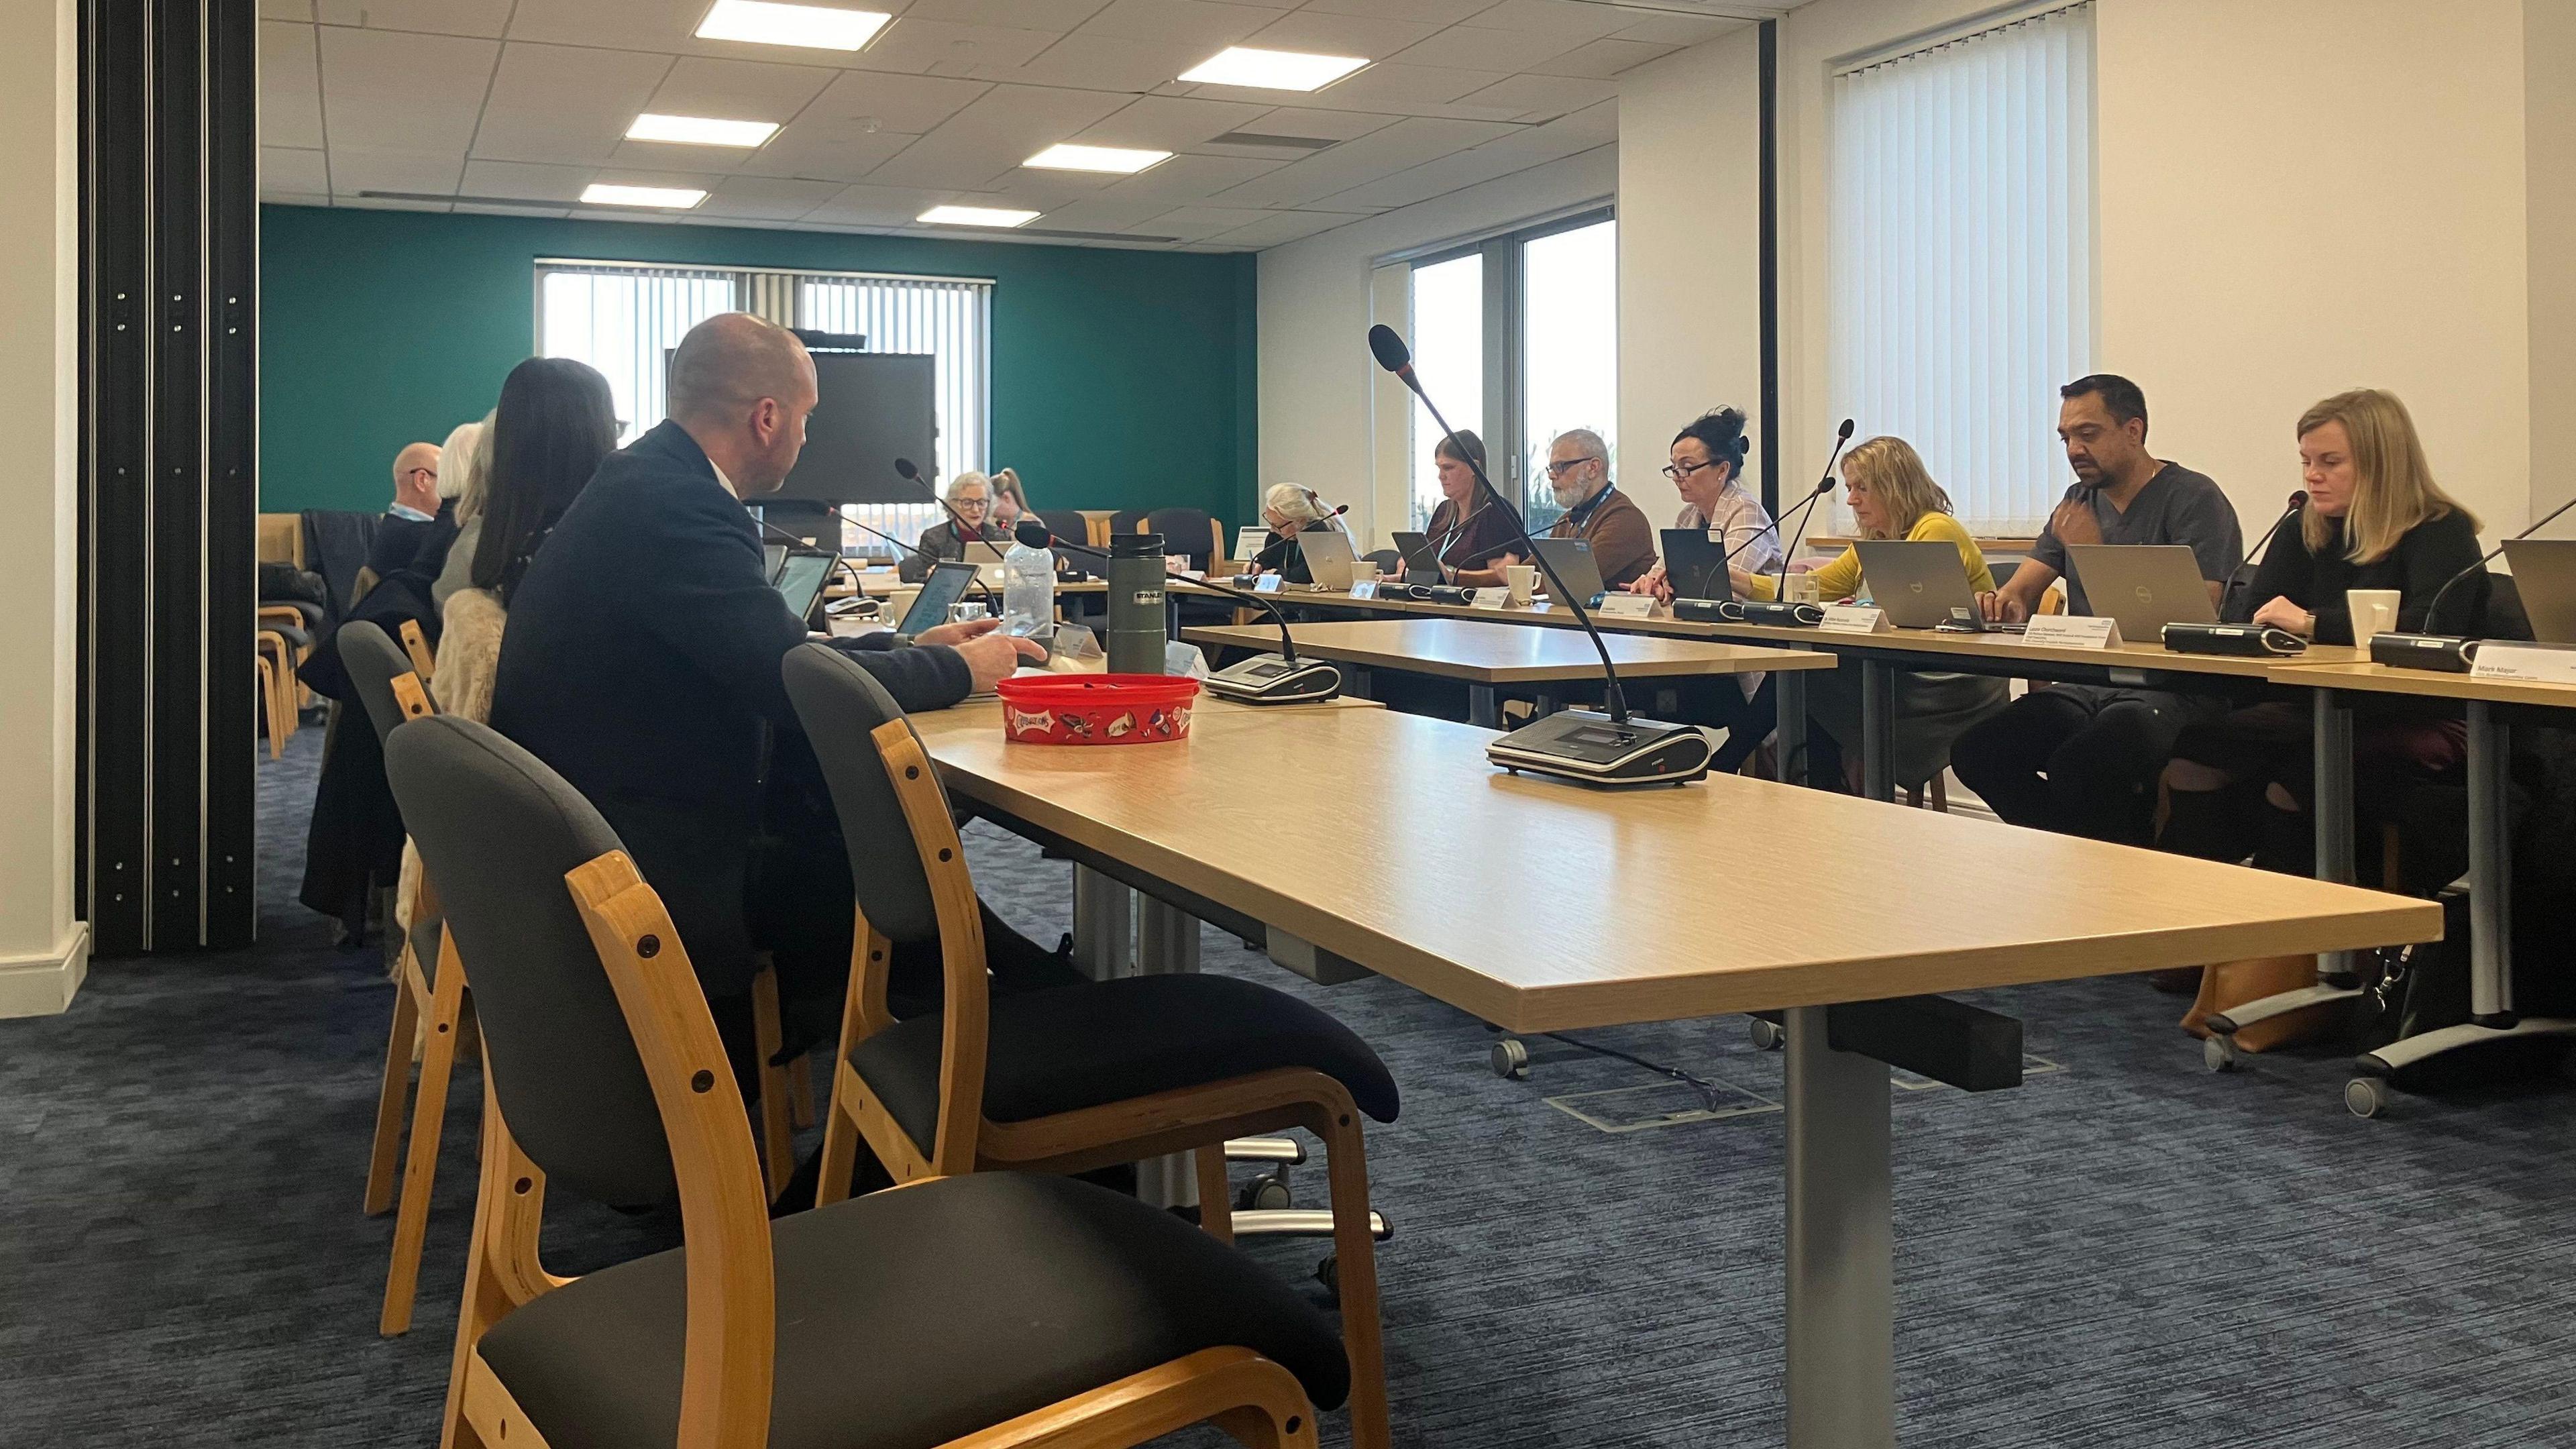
625 319
1963 255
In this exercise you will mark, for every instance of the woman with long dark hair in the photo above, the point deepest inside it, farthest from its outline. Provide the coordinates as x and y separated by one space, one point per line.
555 423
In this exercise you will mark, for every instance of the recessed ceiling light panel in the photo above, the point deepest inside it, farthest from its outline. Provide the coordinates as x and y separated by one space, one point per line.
1272 70
976 216
1069 157
669 198
818 27
700 130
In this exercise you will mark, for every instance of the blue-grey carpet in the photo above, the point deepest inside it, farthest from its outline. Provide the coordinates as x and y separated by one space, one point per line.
2126 1252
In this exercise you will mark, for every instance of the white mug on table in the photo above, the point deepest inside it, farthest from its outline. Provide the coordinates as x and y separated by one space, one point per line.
1522 581
2374 612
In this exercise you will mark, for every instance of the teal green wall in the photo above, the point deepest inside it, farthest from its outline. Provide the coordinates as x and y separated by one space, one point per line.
1121 379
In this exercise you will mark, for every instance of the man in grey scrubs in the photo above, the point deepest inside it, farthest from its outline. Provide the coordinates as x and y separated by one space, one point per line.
2083 759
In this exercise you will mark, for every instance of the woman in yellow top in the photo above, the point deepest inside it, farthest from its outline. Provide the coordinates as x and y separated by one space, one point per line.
1891 495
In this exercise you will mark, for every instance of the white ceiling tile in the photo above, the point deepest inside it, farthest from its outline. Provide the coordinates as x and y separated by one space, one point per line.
1681 29
275 197
1167 123
1283 227
1198 223
910 103
286 9
662 25
945 48
1439 178
378 203
1402 88
1204 24
568 104
671 156
738 90
1542 97
285 168
487 18
1319 124
521 180
290 85
1429 12
1317 32
1603 58
471 208
1407 143
1189 178
646 176
878 205
354 169
1103 62
1594 125
999 130
826 150
1055 15
1469 47
383 91
769 197
1100 214
1565 20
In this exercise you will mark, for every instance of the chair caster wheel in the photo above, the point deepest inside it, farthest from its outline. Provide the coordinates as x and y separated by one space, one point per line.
2218 1052
1329 1273
1511 1061
2365 1096
1263 1194
1768 1035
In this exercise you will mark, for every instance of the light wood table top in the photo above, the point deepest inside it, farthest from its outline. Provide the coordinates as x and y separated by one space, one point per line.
1540 906
1490 653
2380 679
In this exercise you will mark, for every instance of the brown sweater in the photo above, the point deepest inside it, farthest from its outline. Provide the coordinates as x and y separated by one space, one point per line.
1623 542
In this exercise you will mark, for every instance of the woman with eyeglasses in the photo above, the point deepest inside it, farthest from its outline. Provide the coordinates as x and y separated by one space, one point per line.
1707 468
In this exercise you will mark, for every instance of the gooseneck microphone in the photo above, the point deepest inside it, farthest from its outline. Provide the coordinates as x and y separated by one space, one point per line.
1608 749
2433 610
934 560
1824 485
1263 679
966 533
2243 577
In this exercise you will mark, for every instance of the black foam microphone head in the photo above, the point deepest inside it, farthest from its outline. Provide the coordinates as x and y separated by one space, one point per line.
1389 349
1033 533
904 467
1845 431
2299 498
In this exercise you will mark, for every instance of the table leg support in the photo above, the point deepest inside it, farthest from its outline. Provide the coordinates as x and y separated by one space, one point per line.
1103 925
1483 710
2490 871
1841 1256
1789 742
1167 943
2333 728
1878 729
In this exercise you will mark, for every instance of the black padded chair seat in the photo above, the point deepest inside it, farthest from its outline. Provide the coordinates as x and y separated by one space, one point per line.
913 1317
1083 1046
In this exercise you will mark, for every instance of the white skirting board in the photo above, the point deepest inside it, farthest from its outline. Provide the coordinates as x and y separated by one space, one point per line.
43 985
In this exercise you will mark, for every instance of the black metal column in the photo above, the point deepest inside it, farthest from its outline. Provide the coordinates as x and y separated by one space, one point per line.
170 228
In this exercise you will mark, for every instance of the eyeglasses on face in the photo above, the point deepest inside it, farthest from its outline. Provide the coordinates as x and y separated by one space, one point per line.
1680 472
429 473
1558 470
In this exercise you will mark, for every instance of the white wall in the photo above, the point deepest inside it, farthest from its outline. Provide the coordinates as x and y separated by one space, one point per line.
2297 196
1320 392
42 950
2549 165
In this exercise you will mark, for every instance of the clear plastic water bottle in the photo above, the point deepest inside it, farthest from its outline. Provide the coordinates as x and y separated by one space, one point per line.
1028 590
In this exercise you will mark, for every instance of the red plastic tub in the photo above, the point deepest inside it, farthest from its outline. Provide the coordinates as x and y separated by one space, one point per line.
1098 709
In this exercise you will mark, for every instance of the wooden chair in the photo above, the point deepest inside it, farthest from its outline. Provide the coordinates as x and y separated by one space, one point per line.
990 1310
1074 1078
268 705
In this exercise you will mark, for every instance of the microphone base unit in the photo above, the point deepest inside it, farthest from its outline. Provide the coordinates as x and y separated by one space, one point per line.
2240 640
1276 679
1589 748
1756 611
2440 653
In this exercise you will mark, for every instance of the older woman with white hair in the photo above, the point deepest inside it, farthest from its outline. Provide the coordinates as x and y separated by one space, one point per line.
465 463
1290 509
970 494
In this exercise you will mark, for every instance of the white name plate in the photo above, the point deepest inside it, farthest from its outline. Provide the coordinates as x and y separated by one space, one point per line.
1365 589
1628 606
2525 663
1266 584
1493 597
1856 619
2073 631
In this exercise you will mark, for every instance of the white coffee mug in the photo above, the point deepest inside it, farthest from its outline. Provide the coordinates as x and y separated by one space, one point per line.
1523 582
2374 612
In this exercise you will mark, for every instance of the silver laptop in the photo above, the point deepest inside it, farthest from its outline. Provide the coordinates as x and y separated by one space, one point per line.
1571 558
2544 573
1329 557
1917 585
2142 586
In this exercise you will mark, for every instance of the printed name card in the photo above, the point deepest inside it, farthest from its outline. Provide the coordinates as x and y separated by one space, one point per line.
1628 606
1493 597
1266 584
1856 619
2525 663
1364 589
2073 631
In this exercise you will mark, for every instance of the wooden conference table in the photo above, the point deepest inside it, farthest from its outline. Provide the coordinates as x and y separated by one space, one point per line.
1649 931
1487 655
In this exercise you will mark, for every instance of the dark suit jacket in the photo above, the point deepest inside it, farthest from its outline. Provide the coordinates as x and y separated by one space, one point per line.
940 541
641 663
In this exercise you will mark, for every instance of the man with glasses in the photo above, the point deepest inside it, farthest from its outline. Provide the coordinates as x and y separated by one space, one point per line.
971 494
1578 475
412 519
